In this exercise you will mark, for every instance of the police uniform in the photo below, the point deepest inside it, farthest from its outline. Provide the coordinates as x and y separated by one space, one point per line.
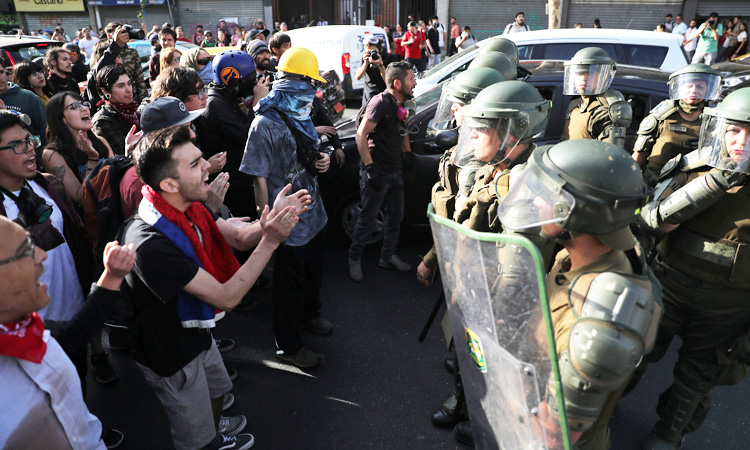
589 117
575 285
704 267
664 134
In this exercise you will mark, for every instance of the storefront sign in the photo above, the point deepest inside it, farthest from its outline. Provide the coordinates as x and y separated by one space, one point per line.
48 5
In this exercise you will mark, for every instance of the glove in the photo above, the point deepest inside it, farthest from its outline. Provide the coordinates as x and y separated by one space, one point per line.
740 349
726 179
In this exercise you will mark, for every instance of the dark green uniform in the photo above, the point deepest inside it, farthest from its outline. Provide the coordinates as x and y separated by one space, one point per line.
589 117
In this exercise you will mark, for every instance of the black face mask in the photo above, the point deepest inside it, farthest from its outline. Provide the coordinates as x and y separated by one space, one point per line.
34 216
246 86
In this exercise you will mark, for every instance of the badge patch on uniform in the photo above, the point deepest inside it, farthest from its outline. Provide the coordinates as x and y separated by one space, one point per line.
475 350
678 128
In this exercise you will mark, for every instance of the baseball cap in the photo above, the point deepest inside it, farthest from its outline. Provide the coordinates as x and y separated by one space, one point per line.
256 47
373 40
256 32
165 112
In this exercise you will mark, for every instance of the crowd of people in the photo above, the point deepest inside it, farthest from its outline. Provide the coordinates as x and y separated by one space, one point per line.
155 207
712 41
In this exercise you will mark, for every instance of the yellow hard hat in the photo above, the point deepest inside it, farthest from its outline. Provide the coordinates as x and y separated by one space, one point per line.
300 61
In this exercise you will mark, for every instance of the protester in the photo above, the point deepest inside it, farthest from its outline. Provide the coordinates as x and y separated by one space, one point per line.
668 23
372 69
175 266
86 43
707 38
79 70
741 41
16 99
208 40
30 76
167 38
689 43
413 45
680 27
169 57
199 60
455 33
60 70
279 43
181 35
271 156
436 40
117 113
466 40
131 61
198 35
380 170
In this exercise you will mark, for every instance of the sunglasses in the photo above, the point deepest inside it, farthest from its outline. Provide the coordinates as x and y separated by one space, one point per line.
28 251
75 106
205 61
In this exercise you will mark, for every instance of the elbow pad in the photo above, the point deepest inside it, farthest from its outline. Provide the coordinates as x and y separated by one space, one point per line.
690 200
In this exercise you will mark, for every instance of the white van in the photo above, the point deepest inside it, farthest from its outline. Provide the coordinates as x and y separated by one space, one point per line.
338 48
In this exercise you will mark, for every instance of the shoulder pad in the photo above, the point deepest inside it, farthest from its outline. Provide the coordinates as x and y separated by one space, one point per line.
648 125
673 164
621 113
611 96
664 109
696 159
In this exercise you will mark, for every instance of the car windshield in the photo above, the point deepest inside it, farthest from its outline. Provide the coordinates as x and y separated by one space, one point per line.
31 53
430 97
447 62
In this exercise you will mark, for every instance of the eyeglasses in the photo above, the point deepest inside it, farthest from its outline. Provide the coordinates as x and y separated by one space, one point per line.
75 106
28 251
21 147
37 74
205 61
201 93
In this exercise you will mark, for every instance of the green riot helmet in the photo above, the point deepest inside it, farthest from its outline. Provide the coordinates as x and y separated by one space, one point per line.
589 72
695 83
498 118
459 91
726 131
502 45
498 61
583 186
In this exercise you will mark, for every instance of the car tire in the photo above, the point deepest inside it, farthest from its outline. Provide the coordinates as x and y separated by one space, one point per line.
346 217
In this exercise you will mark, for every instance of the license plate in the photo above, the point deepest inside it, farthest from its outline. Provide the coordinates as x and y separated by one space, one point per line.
338 107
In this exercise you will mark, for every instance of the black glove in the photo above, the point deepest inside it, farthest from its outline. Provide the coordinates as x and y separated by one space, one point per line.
726 179
740 349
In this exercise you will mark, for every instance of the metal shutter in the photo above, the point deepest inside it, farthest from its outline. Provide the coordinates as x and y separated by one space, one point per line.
489 17
70 21
643 15
155 15
726 8
209 12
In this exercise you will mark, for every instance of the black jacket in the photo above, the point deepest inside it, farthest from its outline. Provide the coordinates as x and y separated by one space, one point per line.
58 84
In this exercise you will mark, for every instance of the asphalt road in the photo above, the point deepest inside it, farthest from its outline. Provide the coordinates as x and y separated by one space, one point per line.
377 385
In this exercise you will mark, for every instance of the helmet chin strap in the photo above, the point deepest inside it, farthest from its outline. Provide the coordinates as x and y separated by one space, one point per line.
689 109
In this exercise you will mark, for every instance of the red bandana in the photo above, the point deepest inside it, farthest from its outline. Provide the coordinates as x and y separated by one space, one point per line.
24 339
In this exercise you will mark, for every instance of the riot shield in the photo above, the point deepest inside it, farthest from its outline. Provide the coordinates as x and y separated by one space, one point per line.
497 302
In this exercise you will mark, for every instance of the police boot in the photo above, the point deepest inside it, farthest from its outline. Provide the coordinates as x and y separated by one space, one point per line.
676 409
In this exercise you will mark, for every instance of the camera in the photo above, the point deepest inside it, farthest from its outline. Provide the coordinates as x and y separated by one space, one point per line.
374 55
712 22
134 34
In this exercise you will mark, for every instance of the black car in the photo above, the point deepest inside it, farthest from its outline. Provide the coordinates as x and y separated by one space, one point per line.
643 89
30 48
734 75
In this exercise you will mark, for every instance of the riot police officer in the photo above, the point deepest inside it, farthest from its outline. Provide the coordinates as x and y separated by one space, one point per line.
666 131
455 95
703 204
599 113
603 299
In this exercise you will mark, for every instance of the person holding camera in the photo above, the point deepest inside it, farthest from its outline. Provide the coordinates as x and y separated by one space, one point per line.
707 38
374 62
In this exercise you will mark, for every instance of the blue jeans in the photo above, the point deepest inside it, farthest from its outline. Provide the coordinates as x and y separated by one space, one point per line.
381 189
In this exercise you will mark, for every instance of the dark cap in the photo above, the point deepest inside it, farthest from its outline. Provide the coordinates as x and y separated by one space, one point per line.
165 112
256 47
254 34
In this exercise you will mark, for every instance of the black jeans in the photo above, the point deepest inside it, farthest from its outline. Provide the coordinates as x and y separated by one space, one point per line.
417 63
381 189
297 273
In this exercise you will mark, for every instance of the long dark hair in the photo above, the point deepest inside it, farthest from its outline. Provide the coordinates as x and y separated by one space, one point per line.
23 70
59 137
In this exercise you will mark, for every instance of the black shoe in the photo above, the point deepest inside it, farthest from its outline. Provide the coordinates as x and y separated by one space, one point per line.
443 419
103 370
304 358
462 432
225 345
112 438
318 325
449 364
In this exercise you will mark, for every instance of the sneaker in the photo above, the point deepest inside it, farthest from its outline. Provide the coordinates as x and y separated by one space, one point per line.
231 372
240 442
318 325
103 370
229 426
225 345
228 402
112 438
304 358
355 270
395 263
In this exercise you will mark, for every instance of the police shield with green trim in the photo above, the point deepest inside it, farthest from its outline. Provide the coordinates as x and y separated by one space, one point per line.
599 112
703 262
673 125
605 302
503 344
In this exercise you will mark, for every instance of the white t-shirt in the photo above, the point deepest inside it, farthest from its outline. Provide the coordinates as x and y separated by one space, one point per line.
742 36
515 28
441 34
690 34
87 46
60 276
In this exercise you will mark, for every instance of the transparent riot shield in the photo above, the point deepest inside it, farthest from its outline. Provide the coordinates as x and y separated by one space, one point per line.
497 302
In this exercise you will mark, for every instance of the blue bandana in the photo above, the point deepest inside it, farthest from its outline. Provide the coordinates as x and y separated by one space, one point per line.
293 98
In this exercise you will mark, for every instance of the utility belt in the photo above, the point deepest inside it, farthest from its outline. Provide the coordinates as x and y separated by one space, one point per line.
705 262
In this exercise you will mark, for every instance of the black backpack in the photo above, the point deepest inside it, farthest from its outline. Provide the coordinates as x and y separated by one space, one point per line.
361 116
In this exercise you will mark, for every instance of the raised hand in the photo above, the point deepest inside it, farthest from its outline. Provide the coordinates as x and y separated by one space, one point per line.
131 140
217 162
298 200
277 228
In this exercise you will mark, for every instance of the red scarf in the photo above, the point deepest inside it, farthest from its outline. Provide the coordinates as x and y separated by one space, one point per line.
214 254
126 111
24 339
